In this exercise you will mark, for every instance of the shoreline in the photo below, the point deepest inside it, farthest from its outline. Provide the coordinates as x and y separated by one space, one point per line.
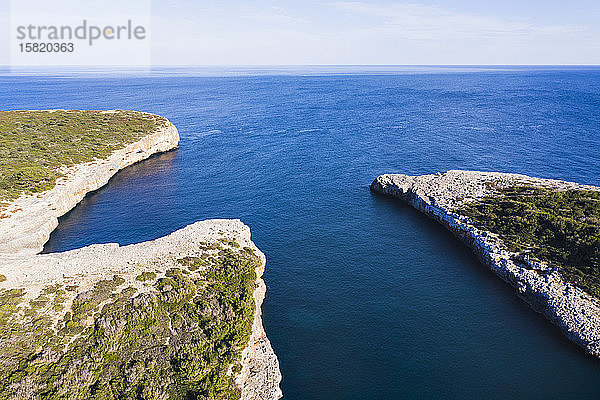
574 311
29 220
259 377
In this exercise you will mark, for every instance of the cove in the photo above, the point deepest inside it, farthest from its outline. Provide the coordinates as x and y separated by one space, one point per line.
367 299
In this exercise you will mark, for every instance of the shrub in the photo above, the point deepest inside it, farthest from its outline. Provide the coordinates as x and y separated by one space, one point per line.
561 227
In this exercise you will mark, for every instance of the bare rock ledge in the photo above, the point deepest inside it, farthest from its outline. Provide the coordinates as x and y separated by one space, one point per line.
33 217
438 196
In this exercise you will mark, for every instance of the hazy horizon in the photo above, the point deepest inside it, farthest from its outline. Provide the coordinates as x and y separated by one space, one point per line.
382 32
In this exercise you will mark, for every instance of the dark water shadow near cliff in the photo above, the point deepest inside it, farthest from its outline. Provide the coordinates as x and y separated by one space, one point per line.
470 299
155 174
446 238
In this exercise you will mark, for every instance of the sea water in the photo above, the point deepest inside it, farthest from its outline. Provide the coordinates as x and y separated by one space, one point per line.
367 299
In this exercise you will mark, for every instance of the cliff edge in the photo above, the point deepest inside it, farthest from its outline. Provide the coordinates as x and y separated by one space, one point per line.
175 317
539 282
28 220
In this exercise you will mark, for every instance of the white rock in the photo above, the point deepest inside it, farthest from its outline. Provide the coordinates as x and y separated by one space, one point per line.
31 219
575 312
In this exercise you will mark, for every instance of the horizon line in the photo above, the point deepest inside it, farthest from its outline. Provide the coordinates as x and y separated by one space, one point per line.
289 65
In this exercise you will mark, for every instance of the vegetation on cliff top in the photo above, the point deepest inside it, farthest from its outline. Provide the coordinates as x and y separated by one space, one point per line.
561 227
34 145
182 339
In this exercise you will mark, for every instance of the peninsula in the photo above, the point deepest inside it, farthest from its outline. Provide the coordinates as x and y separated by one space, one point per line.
541 236
178 317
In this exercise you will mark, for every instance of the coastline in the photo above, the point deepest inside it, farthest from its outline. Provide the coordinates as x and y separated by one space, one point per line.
541 286
259 376
28 221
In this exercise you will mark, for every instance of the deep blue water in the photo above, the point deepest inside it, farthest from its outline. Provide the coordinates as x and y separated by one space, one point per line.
367 299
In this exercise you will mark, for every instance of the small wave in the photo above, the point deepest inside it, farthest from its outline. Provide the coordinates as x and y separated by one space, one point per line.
481 128
309 130
207 133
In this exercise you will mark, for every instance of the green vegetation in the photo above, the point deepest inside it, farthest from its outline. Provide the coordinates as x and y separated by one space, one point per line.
177 341
561 227
180 338
146 276
34 145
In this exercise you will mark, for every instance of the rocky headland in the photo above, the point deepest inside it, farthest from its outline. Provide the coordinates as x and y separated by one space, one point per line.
29 219
175 317
540 283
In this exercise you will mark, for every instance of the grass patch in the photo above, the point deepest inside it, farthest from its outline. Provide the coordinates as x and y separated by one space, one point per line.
560 227
34 145
146 276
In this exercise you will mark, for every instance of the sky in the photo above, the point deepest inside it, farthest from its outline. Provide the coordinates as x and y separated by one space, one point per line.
380 32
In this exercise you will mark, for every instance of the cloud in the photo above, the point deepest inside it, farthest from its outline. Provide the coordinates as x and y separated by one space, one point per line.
422 22
271 16
357 32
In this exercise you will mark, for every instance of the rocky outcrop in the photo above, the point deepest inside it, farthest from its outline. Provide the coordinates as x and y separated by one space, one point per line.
439 196
28 221
80 270
260 375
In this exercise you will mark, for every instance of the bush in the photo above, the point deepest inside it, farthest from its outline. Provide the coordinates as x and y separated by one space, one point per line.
178 341
561 227
34 145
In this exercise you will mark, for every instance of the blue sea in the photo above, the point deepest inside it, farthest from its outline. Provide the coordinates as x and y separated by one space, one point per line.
367 299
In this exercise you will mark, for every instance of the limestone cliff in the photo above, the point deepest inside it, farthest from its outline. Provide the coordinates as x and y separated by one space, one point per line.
160 319
31 218
542 286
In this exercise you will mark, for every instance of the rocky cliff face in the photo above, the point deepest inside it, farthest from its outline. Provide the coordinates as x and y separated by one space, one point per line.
259 377
29 220
439 196
104 308
112 319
